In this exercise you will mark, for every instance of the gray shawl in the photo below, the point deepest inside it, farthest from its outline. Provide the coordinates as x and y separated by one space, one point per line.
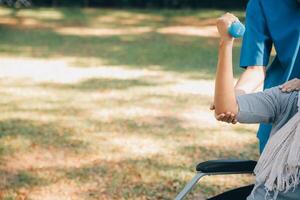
279 165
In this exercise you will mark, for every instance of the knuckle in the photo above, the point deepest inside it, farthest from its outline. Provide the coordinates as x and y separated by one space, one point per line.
221 21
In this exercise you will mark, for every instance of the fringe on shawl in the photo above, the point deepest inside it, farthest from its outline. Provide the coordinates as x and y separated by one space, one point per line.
278 168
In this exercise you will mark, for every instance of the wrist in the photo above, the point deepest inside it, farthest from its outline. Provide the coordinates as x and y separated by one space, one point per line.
226 41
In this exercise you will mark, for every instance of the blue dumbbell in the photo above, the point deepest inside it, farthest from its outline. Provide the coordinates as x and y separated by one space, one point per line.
236 29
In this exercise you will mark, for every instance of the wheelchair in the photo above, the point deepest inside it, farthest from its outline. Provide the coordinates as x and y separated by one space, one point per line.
222 167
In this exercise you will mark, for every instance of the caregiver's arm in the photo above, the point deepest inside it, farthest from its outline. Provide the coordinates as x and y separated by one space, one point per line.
251 79
225 100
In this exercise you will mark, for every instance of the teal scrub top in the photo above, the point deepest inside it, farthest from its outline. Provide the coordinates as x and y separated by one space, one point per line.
272 22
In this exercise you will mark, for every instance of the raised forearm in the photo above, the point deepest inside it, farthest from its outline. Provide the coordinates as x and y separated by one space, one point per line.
225 100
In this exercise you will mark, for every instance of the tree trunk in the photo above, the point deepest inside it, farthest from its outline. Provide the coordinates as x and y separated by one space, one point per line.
86 3
54 3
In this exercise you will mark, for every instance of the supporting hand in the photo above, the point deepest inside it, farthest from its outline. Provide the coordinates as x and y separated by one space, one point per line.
290 86
225 117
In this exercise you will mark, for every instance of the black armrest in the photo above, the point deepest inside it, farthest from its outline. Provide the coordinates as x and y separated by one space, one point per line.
227 166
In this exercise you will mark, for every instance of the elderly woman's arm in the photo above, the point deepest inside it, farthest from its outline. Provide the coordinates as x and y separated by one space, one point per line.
225 100
261 107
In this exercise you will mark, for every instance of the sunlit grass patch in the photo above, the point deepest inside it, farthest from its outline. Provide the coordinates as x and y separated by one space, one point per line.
115 116
48 14
151 51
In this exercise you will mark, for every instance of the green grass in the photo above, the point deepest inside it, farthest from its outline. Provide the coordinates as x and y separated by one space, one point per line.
152 50
113 116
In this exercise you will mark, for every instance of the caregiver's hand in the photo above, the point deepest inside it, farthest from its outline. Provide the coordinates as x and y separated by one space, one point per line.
291 85
224 117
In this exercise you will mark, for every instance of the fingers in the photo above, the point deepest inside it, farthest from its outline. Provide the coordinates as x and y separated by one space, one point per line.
230 118
224 117
227 117
292 85
223 23
220 117
229 18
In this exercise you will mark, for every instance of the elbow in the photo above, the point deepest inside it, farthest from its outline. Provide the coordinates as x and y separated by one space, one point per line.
233 109
217 113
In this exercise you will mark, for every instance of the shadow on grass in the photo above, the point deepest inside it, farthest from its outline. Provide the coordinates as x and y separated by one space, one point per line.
24 135
153 178
20 179
95 84
203 153
160 127
34 133
149 177
131 178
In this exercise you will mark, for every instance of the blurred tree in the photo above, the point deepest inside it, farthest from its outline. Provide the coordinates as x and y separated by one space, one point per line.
86 3
54 3
139 3
16 3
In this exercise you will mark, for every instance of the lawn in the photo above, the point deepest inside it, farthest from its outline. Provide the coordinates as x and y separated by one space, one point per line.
111 104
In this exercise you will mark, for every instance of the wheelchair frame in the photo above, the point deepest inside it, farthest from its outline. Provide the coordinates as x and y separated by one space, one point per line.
217 167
